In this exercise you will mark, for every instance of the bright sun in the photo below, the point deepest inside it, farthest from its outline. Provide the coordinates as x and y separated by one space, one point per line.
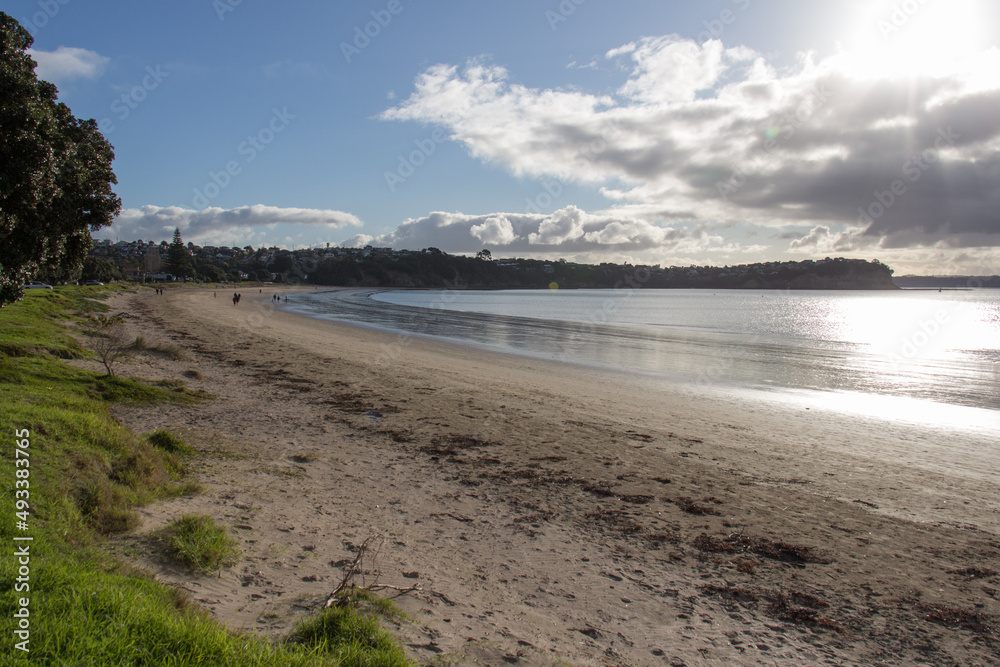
904 38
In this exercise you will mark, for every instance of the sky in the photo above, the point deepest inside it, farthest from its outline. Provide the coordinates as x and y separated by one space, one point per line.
653 132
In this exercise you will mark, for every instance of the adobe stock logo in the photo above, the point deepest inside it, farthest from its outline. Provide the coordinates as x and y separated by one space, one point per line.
130 101
409 164
363 35
254 145
565 9
47 11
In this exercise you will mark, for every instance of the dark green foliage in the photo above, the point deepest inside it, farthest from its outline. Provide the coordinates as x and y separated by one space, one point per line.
263 275
97 268
55 174
283 263
435 269
210 273
169 442
178 258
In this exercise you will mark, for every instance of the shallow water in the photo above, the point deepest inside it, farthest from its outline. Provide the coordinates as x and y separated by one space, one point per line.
942 347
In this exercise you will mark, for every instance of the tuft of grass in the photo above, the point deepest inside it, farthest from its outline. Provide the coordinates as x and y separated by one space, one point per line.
198 542
130 391
169 442
350 631
171 350
105 506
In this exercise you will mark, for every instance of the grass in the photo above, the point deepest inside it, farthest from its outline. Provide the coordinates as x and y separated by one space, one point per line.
350 631
198 542
169 442
86 475
169 350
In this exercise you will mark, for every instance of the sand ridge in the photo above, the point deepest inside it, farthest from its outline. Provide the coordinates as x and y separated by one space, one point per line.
550 512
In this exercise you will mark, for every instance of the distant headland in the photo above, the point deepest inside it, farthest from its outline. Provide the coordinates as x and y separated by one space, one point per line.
432 268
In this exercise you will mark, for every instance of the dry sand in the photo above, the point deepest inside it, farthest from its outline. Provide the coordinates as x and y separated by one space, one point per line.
555 513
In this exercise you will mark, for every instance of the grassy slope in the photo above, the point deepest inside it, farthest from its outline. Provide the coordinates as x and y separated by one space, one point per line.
86 475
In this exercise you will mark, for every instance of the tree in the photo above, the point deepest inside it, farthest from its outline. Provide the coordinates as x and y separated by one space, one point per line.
98 268
212 273
178 258
109 340
55 173
485 254
283 263
59 274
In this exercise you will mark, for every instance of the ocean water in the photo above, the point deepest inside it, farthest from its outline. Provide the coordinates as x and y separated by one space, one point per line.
938 348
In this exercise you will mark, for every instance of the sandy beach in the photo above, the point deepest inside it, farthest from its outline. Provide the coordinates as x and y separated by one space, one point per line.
553 513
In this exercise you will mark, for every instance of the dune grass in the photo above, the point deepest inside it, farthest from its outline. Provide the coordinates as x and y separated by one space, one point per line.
86 476
198 542
350 632
169 350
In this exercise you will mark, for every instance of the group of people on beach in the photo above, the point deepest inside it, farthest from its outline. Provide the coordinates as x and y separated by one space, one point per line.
159 290
237 297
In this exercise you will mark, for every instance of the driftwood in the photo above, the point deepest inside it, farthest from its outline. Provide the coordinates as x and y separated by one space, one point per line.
366 553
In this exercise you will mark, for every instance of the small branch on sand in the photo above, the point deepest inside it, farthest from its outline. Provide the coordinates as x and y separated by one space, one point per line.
367 551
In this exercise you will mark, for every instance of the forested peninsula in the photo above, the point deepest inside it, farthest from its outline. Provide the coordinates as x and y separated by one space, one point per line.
435 269
432 268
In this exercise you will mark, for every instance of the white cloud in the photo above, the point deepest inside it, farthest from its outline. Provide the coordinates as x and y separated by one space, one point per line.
820 240
246 224
569 231
704 134
558 228
495 230
67 63
358 241
670 69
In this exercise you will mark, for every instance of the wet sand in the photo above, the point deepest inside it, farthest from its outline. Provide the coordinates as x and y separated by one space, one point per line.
550 512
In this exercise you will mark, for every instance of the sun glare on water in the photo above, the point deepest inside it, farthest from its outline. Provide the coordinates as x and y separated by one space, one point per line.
914 329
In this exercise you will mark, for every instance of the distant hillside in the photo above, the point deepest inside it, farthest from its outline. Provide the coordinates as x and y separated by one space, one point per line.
950 282
434 269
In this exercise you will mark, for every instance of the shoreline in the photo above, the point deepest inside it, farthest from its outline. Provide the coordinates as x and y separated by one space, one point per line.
530 500
942 411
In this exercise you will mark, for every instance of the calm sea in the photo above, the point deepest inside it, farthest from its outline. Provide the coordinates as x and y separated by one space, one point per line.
941 348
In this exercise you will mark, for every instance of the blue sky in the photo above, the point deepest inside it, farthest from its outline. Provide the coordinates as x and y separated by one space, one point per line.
711 132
